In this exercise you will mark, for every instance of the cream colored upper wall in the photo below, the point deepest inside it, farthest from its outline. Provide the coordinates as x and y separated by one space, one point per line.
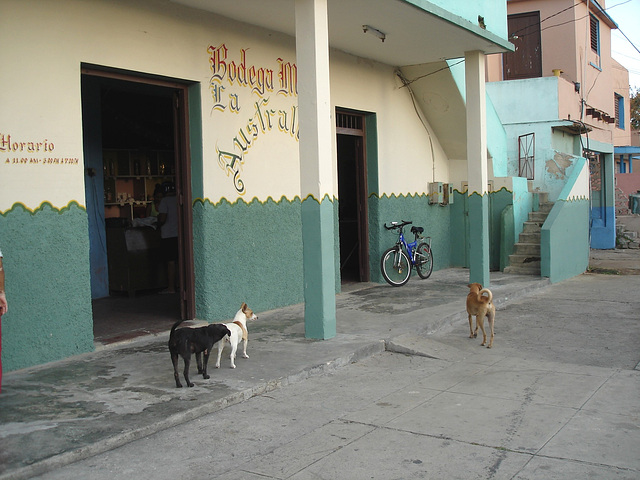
405 152
41 98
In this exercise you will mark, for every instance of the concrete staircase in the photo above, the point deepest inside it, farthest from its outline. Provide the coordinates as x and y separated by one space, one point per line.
525 259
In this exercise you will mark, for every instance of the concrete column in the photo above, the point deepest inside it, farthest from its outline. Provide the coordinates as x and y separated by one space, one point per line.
317 188
477 171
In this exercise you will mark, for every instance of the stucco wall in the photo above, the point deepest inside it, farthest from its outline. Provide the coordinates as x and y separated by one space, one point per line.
244 152
47 283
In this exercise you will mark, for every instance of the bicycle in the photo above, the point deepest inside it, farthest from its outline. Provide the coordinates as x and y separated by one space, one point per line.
396 262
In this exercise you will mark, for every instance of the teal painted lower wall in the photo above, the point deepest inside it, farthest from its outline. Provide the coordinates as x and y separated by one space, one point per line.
434 218
498 202
46 261
565 240
319 256
499 243
459 230
246 253
479 239
507 229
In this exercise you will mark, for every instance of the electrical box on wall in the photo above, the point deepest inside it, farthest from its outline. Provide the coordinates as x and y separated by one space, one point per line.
436 193
448 193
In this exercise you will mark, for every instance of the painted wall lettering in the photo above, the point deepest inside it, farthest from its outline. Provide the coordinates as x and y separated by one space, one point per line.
8 145
228 75
24 152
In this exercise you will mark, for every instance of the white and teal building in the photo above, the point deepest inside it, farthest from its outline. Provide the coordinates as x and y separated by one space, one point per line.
293 131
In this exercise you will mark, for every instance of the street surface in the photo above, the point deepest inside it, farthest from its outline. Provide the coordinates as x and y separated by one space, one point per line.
558 397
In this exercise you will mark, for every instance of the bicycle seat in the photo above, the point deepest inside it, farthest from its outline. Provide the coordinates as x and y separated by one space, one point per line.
417 230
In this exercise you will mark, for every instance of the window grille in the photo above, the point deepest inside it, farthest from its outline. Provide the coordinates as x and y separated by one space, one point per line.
350 123
527 149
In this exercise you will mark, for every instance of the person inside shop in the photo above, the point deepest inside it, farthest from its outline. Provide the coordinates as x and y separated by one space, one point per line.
168 222
152 208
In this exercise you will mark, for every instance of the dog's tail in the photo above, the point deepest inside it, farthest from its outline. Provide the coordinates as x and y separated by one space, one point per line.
175 325
489 294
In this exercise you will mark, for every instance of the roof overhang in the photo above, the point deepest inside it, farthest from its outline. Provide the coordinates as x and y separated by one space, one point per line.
416 31
572 127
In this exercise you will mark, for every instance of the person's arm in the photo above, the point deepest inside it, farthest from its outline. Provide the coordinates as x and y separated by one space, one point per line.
3 296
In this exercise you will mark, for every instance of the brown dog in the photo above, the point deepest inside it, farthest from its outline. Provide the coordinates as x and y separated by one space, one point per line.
481 306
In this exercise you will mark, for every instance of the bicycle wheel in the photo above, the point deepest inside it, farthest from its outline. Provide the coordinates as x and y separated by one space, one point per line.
395 266
424 260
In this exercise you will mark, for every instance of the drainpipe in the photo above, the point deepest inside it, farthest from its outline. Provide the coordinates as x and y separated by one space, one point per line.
584 68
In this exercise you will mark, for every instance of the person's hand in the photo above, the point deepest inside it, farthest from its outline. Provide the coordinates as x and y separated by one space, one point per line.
3 303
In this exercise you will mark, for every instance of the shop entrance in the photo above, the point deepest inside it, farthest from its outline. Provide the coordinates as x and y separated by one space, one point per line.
352 197
135 149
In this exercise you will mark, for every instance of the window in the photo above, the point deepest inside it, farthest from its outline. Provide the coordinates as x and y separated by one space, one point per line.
595 34
618 102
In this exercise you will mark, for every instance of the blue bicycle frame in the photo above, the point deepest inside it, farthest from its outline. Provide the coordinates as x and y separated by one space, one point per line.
408 247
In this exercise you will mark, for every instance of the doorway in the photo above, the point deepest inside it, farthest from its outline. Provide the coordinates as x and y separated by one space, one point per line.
352 196
135 145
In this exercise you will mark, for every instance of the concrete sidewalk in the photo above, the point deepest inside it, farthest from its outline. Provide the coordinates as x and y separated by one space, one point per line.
60 413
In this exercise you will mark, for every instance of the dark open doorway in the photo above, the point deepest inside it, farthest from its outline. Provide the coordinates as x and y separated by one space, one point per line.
352 197
135 146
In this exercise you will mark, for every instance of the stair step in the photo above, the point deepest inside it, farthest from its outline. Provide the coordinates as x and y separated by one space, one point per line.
543 197
527 249
538 216
530 237
532 268
545 207
532 227
518 259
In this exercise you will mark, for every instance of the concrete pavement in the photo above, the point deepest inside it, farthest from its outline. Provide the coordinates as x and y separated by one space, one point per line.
561 365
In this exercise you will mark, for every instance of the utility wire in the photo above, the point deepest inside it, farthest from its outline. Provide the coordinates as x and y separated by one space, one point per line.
406 82
515 34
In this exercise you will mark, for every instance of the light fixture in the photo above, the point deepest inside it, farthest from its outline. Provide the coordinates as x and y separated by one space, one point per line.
374 31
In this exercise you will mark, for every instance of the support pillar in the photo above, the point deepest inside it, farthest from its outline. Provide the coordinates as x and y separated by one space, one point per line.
317 188
477 171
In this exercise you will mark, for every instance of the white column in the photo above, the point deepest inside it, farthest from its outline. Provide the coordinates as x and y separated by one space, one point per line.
477 171
317 189
314 100
476 122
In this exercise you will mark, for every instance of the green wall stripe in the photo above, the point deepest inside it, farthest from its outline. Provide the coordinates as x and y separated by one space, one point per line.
46 261
433 218
43 206
246 252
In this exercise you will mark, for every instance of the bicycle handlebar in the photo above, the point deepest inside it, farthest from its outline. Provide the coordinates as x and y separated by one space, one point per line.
395 225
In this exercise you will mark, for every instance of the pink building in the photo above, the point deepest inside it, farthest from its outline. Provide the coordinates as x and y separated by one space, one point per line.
587 108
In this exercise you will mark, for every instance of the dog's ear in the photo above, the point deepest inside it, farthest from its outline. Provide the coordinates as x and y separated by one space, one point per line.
243 307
